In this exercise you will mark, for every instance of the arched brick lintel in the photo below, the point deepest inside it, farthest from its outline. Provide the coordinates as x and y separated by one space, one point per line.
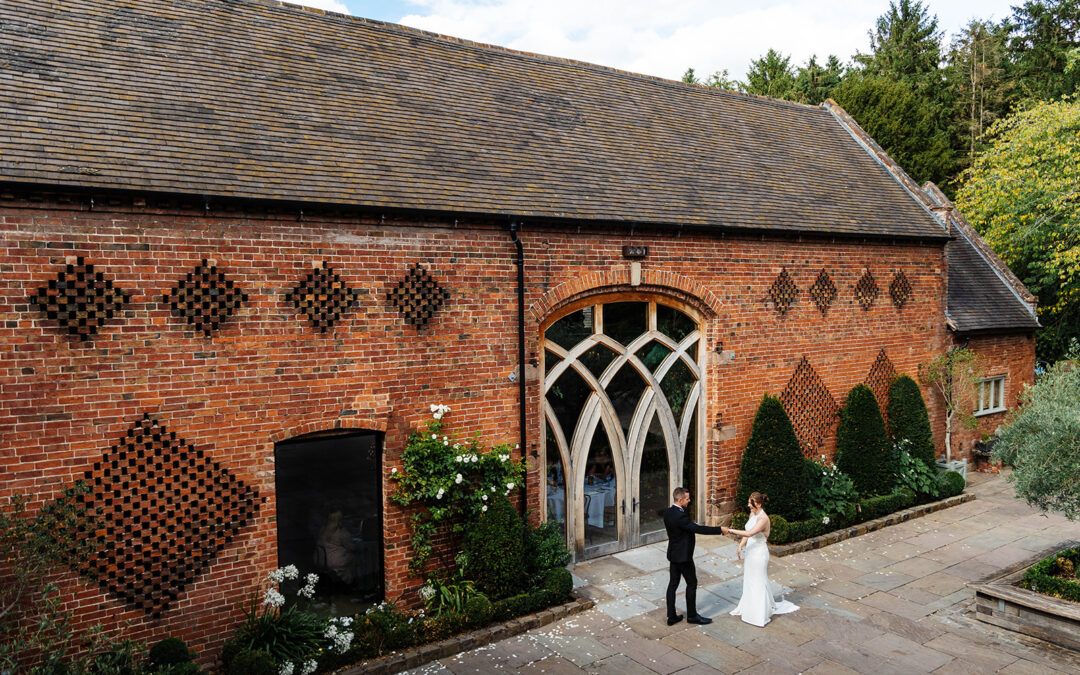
619 280
360 422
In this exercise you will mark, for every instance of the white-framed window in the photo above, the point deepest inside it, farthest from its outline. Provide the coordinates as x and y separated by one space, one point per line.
991 395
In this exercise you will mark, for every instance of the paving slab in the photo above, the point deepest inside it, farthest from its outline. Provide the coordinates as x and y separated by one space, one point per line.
645 558
715 653
983 657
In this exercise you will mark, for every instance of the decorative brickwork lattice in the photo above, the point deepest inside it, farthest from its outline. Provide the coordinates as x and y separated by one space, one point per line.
322 297
418 296
823 291
783 292
880 378
205 298
866 290
165 510
900 289
810 405
80 299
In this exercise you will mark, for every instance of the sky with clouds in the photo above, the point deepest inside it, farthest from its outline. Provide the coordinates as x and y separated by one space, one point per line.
662 38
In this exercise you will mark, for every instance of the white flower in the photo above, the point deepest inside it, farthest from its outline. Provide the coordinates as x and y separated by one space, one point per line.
286 668
458 479
444 438
311 578
484 508
434 437
426 591
439 496
457 458
277 576
484 497
310 667
509 486
457 445
517 446
434 407
394 470
446 442
273 598
474 458
493 488
825 520
291 572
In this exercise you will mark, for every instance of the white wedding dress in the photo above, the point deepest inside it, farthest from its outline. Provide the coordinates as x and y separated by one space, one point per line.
756 606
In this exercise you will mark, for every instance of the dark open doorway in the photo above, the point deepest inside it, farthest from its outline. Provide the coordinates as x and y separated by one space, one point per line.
329 514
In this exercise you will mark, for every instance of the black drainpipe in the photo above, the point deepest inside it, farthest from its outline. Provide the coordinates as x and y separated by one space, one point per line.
520 262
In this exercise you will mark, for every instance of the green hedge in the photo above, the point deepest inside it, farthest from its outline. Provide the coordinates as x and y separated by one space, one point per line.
1042 576
907 418
863 450
954 484
772 463
495 546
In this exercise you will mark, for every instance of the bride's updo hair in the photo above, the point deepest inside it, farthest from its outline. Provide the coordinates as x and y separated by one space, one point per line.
758 499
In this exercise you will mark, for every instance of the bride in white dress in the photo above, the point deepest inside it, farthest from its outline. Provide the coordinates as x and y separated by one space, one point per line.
756 606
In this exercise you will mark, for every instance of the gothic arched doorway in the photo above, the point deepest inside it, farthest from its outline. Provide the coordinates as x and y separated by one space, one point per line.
622 399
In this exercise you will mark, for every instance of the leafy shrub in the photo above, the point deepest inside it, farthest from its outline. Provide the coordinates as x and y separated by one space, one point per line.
953 484
559 581
1055 575
773 463
478 610
168 652
915 475
883 505
834 495
908 419
495 547
1041 440
545 548
779 531
453 480
805 529
381 630
436 628
863 451
441 597
248 662
738 520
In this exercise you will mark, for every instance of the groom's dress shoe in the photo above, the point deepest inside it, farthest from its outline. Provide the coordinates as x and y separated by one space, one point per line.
702 620
672 620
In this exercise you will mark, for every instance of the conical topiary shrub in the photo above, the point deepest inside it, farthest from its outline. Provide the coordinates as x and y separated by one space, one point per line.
863 450
495 547
908 419
773 463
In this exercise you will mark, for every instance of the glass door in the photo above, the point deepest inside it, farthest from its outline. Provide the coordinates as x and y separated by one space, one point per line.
622 388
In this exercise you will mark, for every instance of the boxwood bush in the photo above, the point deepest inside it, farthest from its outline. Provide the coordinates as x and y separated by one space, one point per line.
773 463
494 545
863 450
1055 575
907 419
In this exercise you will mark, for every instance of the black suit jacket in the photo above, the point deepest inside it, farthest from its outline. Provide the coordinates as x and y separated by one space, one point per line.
680 532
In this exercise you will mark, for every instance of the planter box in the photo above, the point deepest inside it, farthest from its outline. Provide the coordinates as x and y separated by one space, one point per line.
1001 602
957 465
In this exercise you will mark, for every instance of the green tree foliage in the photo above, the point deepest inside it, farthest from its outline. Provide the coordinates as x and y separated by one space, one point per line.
494 546
901 121
863 451
1023 195
905 45
955 375
771 75
815 82
977 72
906 412
1042 34
1041 441
720 79
773 463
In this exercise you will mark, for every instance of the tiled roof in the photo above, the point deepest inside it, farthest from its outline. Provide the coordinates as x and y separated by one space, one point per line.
254 99
984 295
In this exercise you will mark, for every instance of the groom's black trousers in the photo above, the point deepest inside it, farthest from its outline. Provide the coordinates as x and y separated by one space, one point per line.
687 571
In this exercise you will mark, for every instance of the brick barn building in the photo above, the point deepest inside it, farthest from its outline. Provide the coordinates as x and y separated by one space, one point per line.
246 245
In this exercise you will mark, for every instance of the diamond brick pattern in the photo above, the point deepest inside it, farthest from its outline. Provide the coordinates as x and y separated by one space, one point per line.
866 290
810 405
205 298
783 292
165 510
418 296
880 378
322 297
80 299
823 291
900 289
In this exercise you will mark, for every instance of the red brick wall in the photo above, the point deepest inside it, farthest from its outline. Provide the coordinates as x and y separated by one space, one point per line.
1010 355
267 375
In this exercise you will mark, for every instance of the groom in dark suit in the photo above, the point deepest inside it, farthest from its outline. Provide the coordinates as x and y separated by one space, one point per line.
680 552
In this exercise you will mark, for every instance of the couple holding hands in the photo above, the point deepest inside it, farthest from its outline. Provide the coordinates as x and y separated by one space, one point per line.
756 606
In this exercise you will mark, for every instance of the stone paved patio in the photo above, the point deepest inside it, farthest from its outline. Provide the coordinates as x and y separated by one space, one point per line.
892 601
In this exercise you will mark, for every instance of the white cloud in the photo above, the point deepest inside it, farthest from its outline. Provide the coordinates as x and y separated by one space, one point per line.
328 5
665 38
